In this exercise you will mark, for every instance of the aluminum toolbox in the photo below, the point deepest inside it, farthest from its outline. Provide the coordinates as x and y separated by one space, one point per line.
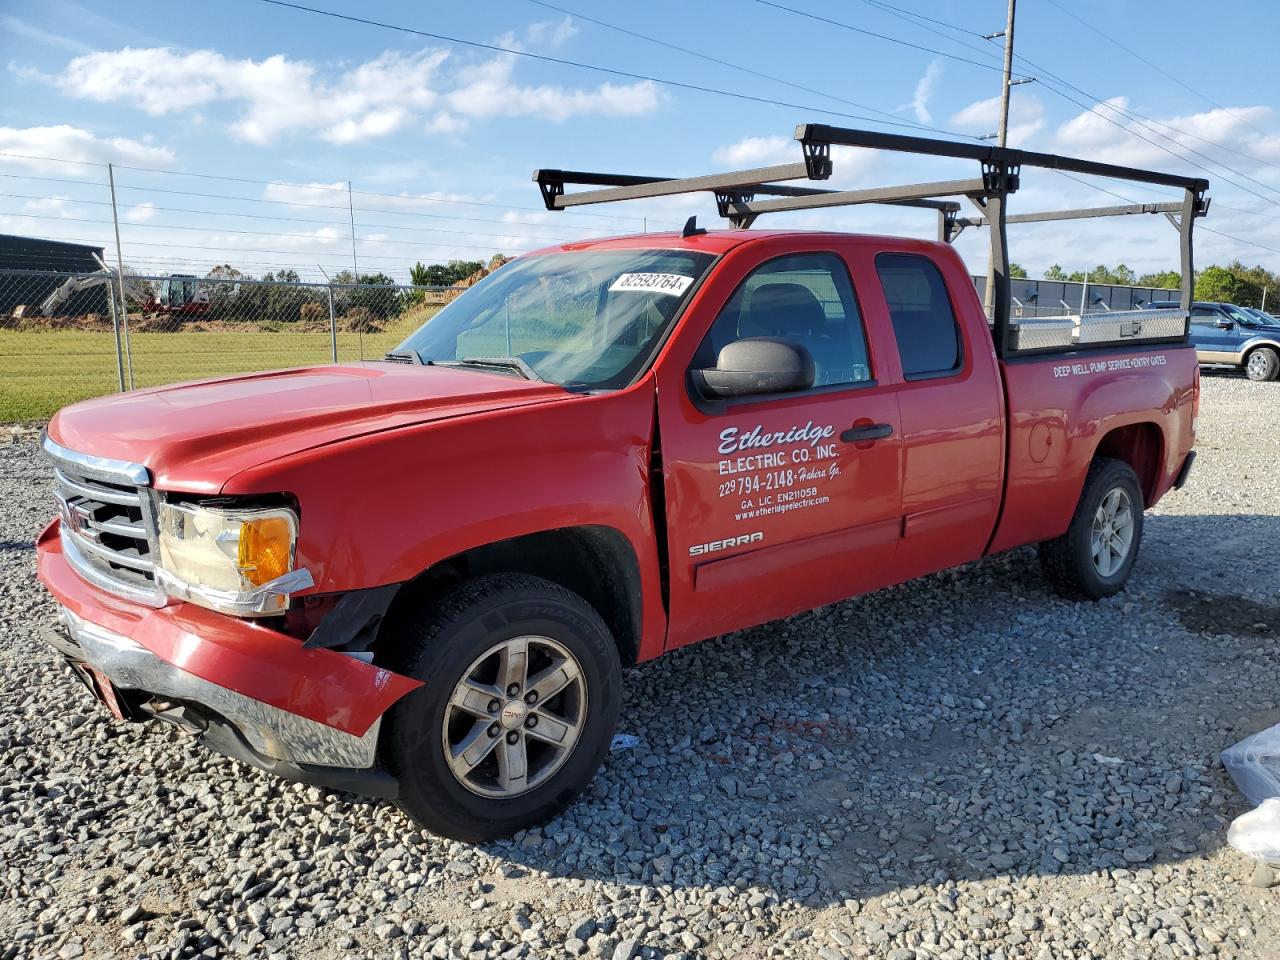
1042 334
1120 326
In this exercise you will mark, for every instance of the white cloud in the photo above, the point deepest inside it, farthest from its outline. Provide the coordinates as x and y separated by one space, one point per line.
1109 135
279 95
545 35
27 145
318 193
1026 118
444 123
55 204
924 91
335 195
757 152
489 90
849 164
140 212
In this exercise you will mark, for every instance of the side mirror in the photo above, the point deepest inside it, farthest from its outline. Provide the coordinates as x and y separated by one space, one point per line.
758 365
1225 324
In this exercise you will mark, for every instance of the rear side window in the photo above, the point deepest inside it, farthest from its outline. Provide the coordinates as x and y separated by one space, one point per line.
923 321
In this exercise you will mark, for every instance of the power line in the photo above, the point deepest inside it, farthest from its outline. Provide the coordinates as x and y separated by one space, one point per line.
1128 112
255 250
870 33
331 206
266 233
887 7
1051 88
1154 66
27 156
562 61
1139 118
1251 243
733 66
330 223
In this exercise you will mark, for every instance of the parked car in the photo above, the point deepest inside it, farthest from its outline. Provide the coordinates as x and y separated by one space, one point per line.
1264 318
1240 337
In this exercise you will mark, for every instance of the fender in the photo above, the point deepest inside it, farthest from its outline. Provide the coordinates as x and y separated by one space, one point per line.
1259 341
381 508
1058 422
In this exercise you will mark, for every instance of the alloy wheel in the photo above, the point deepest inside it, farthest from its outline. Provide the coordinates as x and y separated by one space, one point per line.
1112 533
514 717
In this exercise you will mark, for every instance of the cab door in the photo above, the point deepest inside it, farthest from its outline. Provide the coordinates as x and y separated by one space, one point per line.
776 503
1217 337
952 405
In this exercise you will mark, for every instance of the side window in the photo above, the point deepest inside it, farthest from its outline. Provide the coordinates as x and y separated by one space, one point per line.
923 320
806 298
1204 315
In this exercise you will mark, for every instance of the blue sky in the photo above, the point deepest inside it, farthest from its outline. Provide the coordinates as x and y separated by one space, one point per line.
439 140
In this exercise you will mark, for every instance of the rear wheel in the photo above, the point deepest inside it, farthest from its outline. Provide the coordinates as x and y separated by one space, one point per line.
521 686
1094 558
1262 364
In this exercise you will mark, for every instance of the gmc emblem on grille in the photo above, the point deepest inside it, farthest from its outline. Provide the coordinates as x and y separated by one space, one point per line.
78 519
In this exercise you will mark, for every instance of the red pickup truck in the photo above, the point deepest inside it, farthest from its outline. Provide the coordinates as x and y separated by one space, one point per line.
420 578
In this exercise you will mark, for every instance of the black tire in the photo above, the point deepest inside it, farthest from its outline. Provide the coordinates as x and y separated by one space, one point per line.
1262 364
1068 561
439 651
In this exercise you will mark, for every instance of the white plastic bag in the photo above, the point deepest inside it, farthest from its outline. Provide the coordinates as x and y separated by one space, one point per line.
1254 764
1257 833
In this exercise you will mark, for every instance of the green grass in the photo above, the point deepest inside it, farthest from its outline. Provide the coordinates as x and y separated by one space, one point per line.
43 371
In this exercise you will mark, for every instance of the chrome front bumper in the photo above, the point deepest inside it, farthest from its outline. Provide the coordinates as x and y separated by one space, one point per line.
270 731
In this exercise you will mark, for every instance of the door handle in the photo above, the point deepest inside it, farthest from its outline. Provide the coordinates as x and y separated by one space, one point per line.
871 431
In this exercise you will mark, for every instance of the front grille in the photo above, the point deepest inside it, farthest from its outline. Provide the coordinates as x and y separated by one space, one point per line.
108 515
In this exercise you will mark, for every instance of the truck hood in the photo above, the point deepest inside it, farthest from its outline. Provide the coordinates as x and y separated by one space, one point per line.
194 437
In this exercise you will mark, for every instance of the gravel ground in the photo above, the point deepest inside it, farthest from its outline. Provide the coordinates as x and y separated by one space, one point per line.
961 767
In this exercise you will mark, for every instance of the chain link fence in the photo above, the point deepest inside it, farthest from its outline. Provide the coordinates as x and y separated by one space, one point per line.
68 336
1059 298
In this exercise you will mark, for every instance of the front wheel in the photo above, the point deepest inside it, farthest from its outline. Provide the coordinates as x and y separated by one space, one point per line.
1094 558
521 691
1263 364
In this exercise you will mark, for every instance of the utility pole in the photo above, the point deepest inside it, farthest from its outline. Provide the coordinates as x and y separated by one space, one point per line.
1003 132
351 211
122 323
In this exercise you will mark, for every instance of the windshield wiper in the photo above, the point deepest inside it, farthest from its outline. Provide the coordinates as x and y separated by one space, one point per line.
403 356
510 363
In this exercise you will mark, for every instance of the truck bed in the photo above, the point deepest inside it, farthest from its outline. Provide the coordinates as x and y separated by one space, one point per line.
1062 406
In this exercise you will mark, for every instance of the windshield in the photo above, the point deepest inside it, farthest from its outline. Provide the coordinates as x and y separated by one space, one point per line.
1266 319
587 319
1239 315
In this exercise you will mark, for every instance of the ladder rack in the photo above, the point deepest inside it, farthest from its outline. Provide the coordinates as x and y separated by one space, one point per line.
745 195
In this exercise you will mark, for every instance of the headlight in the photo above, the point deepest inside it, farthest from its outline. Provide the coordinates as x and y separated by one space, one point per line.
235 561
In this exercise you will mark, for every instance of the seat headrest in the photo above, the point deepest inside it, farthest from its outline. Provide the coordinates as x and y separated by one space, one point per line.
787 310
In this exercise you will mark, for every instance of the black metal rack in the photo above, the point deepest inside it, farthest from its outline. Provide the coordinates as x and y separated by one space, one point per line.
738 195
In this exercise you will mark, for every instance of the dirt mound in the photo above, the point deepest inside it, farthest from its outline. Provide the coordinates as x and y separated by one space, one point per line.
90 322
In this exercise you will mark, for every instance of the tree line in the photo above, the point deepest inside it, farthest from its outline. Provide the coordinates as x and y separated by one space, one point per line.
360 300
1234 283
420 275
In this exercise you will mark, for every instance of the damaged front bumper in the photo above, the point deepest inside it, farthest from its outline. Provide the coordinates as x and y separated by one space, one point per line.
245 690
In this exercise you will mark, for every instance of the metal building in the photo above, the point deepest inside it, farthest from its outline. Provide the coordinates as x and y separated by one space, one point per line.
33 268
